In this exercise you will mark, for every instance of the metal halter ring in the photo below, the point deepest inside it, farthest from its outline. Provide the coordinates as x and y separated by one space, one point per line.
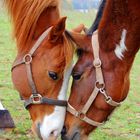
102 91
97 63
36 99
27 59
80 115
99 86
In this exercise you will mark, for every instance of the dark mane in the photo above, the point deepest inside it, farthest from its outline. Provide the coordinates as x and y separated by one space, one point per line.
97 19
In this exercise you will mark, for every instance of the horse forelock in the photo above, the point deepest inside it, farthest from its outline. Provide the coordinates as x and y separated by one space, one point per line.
69 51
24 15
59 54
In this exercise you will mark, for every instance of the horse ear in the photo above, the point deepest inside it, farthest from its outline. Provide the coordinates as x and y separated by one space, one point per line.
80 28
57 31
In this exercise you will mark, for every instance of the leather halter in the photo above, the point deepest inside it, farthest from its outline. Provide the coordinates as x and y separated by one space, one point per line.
99 88
36 97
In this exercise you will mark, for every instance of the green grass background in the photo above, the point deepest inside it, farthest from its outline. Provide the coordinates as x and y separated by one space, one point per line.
125 122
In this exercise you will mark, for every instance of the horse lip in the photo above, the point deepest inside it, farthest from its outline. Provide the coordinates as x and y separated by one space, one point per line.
75 135
38 131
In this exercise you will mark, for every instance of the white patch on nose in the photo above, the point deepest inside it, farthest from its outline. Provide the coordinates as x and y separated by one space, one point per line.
1 106
121 47
53 124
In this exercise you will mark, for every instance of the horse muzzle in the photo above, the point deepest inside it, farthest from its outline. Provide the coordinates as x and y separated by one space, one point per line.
74 135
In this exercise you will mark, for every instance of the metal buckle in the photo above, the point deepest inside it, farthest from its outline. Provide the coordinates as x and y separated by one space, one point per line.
97 63
36 99
99 86
80 115
108 99
102 91
27 59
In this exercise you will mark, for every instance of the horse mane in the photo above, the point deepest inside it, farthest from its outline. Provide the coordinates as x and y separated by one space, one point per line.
64 55
24 15
97 20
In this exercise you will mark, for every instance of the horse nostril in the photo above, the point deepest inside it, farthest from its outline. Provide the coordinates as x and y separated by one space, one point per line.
64 131
51 133
38 126
54 133
38 130
76 136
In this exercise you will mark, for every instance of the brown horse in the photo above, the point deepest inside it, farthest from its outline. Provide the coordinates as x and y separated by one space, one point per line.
43 64
101 75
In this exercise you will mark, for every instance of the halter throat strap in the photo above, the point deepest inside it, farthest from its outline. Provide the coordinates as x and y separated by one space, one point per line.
99 88
35 97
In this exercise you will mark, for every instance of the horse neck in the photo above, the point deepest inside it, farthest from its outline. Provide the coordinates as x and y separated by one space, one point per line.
119 29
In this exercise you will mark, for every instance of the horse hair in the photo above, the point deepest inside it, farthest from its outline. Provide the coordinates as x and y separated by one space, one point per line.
97 19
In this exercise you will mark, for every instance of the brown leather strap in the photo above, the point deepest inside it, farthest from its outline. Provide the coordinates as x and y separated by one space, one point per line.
99 75
35 98
30 79
17 62
90 100
43 100
99 87
21 60
108 99
82 116
97 62
39 41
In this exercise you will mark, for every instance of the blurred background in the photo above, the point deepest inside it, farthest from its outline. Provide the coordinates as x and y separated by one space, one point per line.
83 10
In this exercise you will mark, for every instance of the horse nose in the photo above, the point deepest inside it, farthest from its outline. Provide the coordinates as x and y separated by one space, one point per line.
52 135
75 135
64 131
38 131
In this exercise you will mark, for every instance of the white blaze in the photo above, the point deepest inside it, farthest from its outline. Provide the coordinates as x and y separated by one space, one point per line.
121 47
1 106
55 121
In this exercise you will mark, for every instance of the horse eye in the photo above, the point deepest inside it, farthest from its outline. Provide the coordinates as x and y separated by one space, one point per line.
79 52
53 75
76 76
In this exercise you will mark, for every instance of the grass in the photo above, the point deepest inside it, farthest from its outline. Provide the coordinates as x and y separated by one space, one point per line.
125 122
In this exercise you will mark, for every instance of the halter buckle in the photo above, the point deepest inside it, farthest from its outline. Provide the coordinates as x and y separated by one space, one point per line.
108 99
102 91
99 85
36 99
80 115
97 63
27 59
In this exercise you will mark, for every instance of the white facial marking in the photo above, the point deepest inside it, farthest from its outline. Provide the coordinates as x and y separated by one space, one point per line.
121 48
53 124
75 59
1 106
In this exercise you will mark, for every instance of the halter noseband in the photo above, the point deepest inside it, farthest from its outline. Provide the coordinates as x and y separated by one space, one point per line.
36 97
99 88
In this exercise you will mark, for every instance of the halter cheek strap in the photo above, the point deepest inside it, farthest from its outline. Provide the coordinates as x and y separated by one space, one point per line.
99 88
36 97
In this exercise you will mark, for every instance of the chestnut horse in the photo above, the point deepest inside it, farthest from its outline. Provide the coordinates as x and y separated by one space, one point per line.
101 75
43 64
